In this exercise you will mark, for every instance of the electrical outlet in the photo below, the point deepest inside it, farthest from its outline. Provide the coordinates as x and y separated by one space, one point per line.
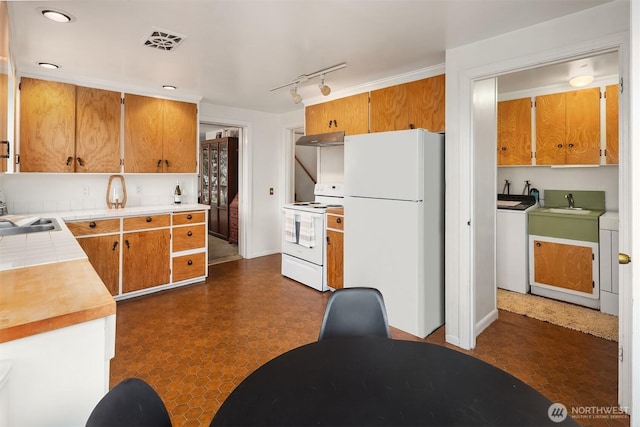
85 191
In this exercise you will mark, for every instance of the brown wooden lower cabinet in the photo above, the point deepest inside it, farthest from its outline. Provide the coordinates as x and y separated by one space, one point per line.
563 265
335 248
104 255
189 266
145 259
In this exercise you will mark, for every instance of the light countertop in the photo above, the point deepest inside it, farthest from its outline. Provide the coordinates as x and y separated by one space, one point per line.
46 280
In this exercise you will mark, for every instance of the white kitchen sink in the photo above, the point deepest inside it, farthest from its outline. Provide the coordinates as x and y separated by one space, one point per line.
577 211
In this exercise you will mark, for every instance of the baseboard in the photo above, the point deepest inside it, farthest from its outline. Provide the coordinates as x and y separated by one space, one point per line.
486 321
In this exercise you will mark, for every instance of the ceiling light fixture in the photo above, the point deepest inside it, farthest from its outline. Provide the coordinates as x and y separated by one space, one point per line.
581 81
169 87
324 89
48 65
295 95
57 16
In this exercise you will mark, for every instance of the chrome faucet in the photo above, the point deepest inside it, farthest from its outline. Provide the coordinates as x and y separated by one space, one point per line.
569 198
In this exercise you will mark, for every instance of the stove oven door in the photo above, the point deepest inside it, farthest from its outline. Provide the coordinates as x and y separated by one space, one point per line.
292 244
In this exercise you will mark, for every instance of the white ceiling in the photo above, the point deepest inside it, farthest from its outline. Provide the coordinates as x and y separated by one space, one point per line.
235 51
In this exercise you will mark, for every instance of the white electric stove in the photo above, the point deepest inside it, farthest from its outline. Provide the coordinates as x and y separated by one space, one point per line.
304 234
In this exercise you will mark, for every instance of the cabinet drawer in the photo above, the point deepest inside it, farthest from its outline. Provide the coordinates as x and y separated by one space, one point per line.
189 266
83 228
188 218
335 222
188 237
149 221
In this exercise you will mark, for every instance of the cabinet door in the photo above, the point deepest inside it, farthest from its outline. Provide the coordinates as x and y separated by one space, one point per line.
97 130
389 109
315 119
550 129
47 126
583 126
104 254
145 259
514 132
4 147
563 266
350 114
142 134
426 104
179 141
335 259
612 92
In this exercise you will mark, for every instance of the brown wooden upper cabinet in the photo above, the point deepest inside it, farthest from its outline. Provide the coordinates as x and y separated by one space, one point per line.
418 104
160 135
611 152
568 128
350 114
68 128
514 132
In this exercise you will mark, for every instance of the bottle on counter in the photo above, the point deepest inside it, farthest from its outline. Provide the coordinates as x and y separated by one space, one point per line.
177 195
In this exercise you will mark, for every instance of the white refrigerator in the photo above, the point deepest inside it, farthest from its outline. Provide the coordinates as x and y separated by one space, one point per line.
394 223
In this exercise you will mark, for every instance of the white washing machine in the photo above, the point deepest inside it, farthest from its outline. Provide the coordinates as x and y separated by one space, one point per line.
512 243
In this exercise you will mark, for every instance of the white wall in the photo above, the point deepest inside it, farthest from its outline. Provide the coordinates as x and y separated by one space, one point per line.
37 193
603 178
577 34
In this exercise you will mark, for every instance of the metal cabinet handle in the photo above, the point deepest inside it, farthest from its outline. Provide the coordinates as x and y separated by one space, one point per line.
69 160
538 244
79 160
115 245
189 262
570 145
8 155
126 242
189 233
159 162
92 224
559 145
504 148
166 162
339 220
149 219
189 216
328 241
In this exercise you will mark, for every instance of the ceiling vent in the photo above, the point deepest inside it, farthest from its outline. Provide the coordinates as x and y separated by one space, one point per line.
163 40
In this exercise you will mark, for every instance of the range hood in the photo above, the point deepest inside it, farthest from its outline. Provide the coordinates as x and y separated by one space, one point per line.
322 140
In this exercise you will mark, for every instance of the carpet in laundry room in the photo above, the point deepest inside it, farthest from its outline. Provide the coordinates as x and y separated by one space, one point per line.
195 344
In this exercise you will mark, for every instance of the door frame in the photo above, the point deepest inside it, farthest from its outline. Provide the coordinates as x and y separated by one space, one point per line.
244 178
461 286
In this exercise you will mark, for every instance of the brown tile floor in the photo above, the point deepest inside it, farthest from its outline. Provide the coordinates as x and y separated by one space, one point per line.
195 344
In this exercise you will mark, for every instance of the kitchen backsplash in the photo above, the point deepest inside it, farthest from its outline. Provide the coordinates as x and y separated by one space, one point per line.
603 178
43 193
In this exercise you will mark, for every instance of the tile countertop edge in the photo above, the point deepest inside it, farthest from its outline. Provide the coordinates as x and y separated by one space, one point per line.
32 301
131 211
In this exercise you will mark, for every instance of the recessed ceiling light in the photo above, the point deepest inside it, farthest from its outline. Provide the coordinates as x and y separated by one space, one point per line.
57 16
169 87
48 65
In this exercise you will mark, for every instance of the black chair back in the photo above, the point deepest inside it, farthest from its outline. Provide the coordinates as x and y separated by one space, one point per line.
131 403
355 312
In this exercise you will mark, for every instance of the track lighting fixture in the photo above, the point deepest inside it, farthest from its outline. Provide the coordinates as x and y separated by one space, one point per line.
324 89
295 95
